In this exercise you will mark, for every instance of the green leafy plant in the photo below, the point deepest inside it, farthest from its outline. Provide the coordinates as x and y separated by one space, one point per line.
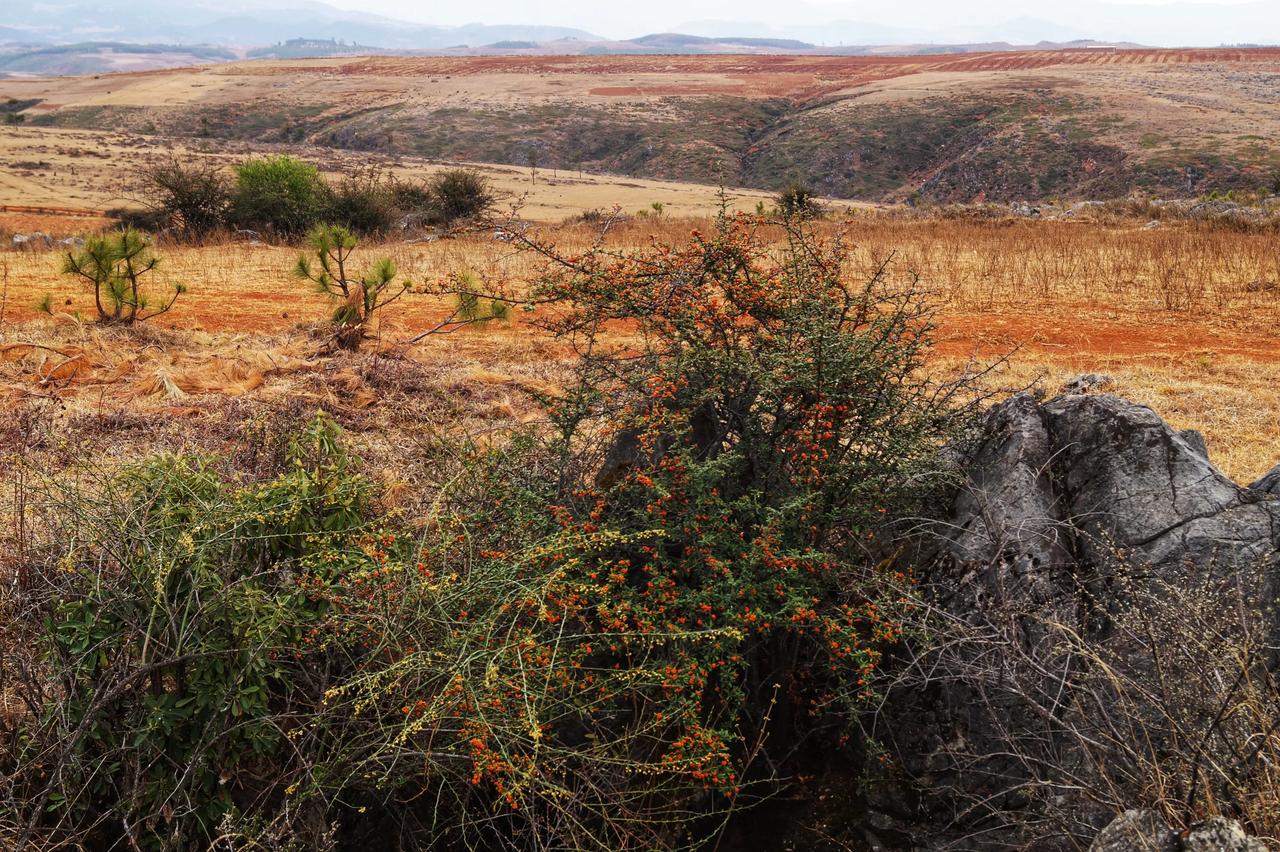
471 306
279 194
115 265
181 616
358 296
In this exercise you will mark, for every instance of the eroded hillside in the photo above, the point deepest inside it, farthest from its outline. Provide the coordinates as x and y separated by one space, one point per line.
1072 123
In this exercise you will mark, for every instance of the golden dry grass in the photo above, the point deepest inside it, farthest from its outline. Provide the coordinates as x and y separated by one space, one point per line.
70 172
1180 317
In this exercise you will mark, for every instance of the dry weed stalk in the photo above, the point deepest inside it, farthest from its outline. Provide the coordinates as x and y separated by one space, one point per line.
1161 692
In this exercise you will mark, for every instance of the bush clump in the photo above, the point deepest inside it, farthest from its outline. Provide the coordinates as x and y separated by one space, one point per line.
456 195
281 195
363 202
182 619
193 197
798 201
669 632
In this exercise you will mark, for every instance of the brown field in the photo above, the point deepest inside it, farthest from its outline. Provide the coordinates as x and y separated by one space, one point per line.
1070 123
558 77
1180 317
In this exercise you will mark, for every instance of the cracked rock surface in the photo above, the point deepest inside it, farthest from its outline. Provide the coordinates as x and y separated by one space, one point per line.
1072 513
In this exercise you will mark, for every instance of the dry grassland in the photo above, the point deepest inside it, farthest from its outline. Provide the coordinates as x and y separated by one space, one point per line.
59 181
1181 318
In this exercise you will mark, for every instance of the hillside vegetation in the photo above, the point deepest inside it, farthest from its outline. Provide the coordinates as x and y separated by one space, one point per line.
1006 126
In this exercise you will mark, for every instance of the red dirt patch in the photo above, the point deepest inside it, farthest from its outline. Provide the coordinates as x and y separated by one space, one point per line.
52 221
1082 336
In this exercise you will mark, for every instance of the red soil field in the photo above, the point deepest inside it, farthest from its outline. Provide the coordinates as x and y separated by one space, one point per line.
794 76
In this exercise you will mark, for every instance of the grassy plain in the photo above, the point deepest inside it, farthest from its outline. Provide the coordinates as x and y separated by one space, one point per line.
1181 317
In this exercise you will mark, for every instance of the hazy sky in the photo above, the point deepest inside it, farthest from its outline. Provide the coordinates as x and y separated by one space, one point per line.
1101 18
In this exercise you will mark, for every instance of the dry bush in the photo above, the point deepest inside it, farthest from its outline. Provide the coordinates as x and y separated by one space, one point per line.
1161 692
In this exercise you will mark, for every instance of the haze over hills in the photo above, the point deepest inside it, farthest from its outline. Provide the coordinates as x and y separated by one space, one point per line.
243 24
994 126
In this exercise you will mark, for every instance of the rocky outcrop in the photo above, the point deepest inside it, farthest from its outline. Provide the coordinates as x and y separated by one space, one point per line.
1073 514
1136 831
1146 831
1091 480
1269 483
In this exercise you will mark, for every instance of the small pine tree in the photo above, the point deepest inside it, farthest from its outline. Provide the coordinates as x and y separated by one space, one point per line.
358 296
115 265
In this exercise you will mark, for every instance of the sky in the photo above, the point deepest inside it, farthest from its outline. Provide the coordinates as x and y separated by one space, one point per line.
1172 22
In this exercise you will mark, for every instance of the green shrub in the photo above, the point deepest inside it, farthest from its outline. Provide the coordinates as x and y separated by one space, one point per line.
458 194
279 194
566 654
114 265
619 657
182 621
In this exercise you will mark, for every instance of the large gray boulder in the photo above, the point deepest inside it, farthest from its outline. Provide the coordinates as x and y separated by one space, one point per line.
1008 535
1062 490
1138 490
1073 515
1136 830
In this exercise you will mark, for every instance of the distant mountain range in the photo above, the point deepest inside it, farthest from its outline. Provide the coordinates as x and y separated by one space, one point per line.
93 36
236 23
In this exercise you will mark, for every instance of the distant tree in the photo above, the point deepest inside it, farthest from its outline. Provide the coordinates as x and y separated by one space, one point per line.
114 265
532 158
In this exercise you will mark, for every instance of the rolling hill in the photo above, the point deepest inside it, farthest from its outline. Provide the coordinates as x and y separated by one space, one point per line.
1082 123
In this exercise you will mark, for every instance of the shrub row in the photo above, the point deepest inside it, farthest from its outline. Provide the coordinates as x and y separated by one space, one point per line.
286 197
